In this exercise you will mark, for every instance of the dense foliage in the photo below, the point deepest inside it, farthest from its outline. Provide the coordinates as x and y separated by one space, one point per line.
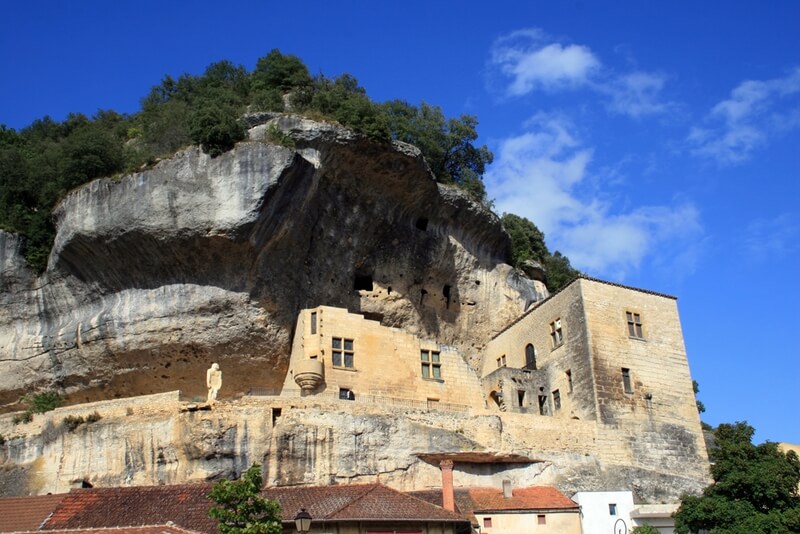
42 162
755 489
527 244
241 508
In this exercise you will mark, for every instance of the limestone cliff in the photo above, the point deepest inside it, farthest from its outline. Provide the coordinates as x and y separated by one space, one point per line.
155 275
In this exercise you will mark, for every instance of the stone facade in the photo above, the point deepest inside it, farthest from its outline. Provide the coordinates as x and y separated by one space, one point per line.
378 361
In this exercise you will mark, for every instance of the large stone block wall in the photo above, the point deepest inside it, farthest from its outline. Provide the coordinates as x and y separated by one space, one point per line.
552 362
386 361
657 425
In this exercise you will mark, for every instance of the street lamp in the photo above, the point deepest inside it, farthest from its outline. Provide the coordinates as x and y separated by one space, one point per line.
302 521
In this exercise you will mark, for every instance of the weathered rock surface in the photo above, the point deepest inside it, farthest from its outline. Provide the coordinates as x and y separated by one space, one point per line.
195 260
149 440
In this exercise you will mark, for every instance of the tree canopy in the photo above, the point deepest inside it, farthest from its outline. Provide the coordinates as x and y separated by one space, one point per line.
241 508
755 488
527 244
42 162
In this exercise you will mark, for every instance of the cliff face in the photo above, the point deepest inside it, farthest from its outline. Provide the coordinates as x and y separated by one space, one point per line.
156 275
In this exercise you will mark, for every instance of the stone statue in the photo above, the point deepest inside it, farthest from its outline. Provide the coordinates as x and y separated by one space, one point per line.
213 382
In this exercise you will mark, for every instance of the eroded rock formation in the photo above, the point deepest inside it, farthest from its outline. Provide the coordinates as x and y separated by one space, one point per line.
157 274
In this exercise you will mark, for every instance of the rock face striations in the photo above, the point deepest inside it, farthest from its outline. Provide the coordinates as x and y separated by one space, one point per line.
195 260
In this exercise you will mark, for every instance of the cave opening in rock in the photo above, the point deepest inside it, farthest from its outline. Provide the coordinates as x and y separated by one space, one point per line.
446 293
362 281
422 224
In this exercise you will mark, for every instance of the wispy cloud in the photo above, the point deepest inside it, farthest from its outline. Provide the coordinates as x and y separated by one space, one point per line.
544 175
739 125
768 239
530 60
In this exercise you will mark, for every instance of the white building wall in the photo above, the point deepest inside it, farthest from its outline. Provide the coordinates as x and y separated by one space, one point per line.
595 515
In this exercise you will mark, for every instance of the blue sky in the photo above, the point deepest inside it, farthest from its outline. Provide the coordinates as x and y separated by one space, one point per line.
656 144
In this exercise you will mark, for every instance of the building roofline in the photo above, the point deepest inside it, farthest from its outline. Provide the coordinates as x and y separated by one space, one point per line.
579 277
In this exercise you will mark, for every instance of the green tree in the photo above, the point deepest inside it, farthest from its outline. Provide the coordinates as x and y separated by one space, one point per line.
241 509
701 408
645 529
755 488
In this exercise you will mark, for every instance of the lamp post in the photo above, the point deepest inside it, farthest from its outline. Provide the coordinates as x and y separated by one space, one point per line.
302 521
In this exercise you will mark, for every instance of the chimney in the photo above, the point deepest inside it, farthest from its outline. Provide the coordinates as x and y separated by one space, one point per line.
507 489
448 498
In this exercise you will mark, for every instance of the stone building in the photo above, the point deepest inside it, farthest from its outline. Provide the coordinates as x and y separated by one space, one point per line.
596 367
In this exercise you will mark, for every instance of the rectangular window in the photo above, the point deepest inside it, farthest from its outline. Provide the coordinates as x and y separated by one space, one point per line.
626 380
612 509
431 364
433 404
487 522
556 400
543 405
501 361
634 324
342 353
313 323
521 397
556 333
569 381
346 394
541 519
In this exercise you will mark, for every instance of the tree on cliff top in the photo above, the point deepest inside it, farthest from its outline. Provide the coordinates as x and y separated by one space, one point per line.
755 488
242 509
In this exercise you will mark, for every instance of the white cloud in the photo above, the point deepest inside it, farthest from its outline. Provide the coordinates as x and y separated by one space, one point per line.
636 94
533 63
768 239
543 174
738 126
530 60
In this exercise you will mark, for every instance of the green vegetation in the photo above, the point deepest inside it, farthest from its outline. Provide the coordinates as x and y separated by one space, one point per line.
527 244
755 489
39 403
241 508
42 162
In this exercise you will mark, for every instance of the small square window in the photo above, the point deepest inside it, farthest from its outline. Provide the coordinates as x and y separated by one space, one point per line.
634 324
612 509
556 333
541 519
487 522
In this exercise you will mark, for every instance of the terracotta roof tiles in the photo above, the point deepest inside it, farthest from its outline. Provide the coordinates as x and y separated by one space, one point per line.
26 513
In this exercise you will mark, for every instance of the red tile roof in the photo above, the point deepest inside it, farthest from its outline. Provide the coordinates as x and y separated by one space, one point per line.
26 513
357 502
530 498
471 500
147 529
185 505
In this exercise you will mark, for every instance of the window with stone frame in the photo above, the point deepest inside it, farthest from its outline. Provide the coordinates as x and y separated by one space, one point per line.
431 364
634 324
556 333
501 361
342 353
556 400
627 384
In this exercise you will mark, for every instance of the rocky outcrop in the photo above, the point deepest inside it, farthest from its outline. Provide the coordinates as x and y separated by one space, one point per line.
157 274
154 440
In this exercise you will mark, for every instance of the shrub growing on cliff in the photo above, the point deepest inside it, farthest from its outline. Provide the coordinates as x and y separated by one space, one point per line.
755 488
241 508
